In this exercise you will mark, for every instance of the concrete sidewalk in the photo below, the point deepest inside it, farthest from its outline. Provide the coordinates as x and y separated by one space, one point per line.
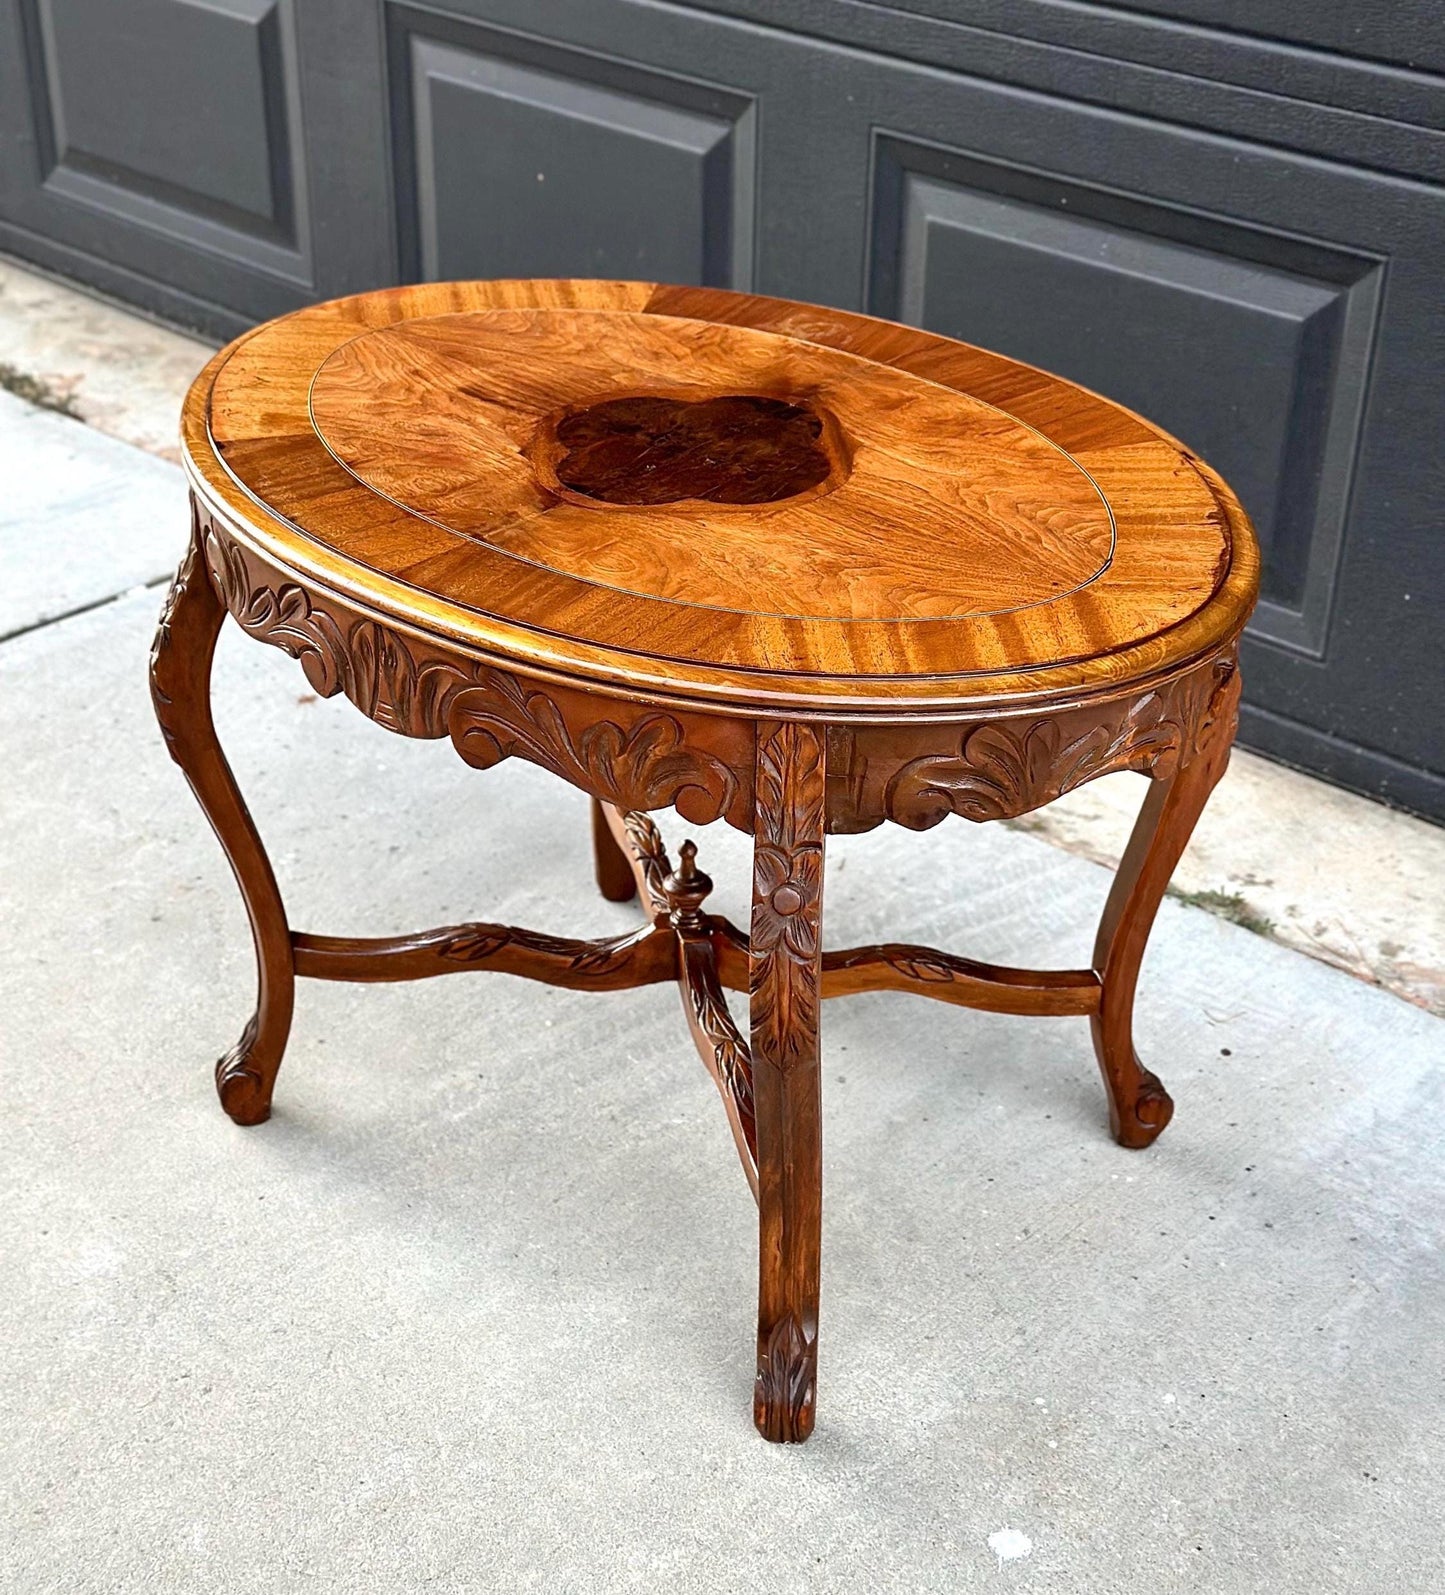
474 1311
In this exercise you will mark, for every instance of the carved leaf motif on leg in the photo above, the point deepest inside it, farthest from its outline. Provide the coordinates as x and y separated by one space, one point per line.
731 1057
785 977
651 853
786 1382
161 685
720 1044
787 886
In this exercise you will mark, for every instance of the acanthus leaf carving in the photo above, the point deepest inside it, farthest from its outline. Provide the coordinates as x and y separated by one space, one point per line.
787 893
642 762
645 845
385 681
161 657
1004 768
283 617
786 1381
478 943
646 764
1215 726
730 1052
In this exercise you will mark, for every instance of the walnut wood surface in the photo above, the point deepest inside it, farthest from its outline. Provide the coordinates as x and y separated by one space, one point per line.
610 864
391 447
180 677
735 449
789 567
785 955
926 972
925 503
617 963
1139 1106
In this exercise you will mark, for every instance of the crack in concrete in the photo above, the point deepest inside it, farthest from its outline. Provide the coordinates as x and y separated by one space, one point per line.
146 586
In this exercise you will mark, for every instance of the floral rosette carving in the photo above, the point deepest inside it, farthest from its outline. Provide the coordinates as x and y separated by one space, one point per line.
787 887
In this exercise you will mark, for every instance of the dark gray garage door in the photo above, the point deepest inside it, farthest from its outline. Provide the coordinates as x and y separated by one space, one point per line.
1227 213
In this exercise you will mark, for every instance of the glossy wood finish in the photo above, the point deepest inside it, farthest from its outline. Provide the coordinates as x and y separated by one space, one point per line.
180 677
616 963
464 421
1139 1106
609 862
475 550
785 979
788 567
738 449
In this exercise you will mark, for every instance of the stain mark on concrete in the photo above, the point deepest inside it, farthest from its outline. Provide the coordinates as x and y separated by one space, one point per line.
37 391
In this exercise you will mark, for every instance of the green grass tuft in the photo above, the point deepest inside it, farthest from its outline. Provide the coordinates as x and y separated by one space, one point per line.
1228 905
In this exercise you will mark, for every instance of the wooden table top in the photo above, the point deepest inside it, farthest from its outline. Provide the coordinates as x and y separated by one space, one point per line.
716 497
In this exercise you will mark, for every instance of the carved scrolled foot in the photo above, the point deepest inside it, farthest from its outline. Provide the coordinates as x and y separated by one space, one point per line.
1138 1115
786 1383
244 1087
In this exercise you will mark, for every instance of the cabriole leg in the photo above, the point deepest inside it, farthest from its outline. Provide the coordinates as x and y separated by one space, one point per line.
785 981
180 676
1139 1106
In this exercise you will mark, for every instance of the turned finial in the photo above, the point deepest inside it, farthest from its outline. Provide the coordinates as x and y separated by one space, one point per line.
686 887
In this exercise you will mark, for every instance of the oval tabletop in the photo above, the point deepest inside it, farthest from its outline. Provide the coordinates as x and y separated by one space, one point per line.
716 496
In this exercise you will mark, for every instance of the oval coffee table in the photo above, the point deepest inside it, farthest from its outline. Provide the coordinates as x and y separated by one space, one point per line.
797 569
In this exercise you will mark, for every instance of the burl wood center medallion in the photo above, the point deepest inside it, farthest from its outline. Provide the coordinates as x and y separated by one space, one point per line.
737 449
457 419
795 569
